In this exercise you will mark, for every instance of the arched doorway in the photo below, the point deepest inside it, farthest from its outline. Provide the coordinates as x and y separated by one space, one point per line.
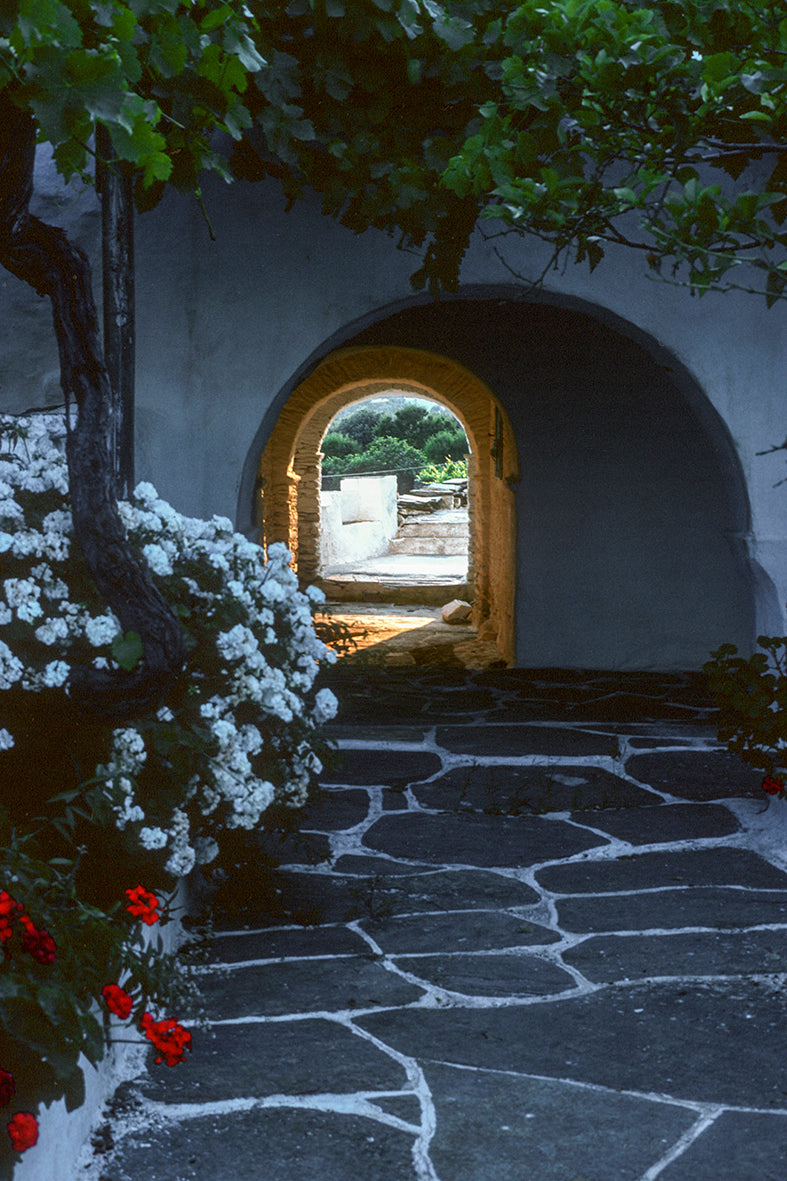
290 468
632 509
625 544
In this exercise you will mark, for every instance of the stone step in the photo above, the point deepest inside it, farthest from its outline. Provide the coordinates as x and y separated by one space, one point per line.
439 516
434 544
425 527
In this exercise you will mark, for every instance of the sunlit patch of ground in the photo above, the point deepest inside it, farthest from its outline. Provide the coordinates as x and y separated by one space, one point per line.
370 633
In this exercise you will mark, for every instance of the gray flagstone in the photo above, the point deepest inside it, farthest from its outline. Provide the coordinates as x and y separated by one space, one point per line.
536 931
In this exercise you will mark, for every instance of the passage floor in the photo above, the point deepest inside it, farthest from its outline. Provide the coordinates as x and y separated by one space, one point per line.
534 930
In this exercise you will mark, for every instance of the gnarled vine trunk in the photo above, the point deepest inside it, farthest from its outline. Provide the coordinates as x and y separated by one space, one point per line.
42 256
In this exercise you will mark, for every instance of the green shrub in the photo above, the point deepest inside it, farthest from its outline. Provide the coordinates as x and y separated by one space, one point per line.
388 456
417 425
413 423
434 473
751 700
335 445
361 425
446 445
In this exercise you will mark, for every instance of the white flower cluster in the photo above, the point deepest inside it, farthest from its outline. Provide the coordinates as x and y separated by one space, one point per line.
238 731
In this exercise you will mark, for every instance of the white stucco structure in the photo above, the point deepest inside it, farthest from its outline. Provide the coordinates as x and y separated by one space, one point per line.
359 520
648 530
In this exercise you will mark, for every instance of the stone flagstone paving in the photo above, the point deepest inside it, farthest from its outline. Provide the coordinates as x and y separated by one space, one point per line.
535 930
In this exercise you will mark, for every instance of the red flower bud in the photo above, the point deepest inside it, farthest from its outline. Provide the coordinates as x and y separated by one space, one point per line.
117 1000
9 910
169 1038
40 945
23 1130
143 905
8 905
772 785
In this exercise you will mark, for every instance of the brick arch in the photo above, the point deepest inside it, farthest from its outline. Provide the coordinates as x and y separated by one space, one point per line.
290 467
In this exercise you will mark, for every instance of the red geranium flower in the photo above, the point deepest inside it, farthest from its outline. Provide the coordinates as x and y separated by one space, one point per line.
9 909
23 1130
8 905
7 1088
117 1000
169 1038
143 905
40 945
772 785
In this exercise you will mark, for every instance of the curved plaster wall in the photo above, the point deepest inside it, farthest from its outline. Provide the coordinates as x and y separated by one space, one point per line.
227 329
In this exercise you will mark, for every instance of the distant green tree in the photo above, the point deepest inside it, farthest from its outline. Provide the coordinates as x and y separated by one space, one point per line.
361 425
400 440
412 422
388 456
337 445
386 425
415 423
418 424
446 444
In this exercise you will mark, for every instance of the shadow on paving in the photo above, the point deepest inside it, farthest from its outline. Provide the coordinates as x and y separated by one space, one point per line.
519 937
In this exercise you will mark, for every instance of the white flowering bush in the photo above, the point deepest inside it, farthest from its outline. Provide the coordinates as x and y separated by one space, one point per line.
240 729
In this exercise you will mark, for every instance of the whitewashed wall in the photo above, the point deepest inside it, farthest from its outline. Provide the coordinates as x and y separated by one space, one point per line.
649 529
358 521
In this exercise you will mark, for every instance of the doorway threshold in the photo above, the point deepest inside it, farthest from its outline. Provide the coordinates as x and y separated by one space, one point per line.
402 635
355 590
431 579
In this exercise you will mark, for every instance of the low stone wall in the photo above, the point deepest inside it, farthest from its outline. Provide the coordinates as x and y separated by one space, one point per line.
358 521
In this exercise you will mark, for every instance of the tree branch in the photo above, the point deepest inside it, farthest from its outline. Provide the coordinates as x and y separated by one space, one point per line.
42 256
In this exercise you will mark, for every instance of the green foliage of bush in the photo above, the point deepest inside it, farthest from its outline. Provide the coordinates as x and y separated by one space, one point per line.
751 699
336 445
361 425
386 425
414 423
445 445
375 441
435 473
386 455
418 425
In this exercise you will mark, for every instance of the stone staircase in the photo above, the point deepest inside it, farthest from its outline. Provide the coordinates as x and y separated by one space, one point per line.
445 531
